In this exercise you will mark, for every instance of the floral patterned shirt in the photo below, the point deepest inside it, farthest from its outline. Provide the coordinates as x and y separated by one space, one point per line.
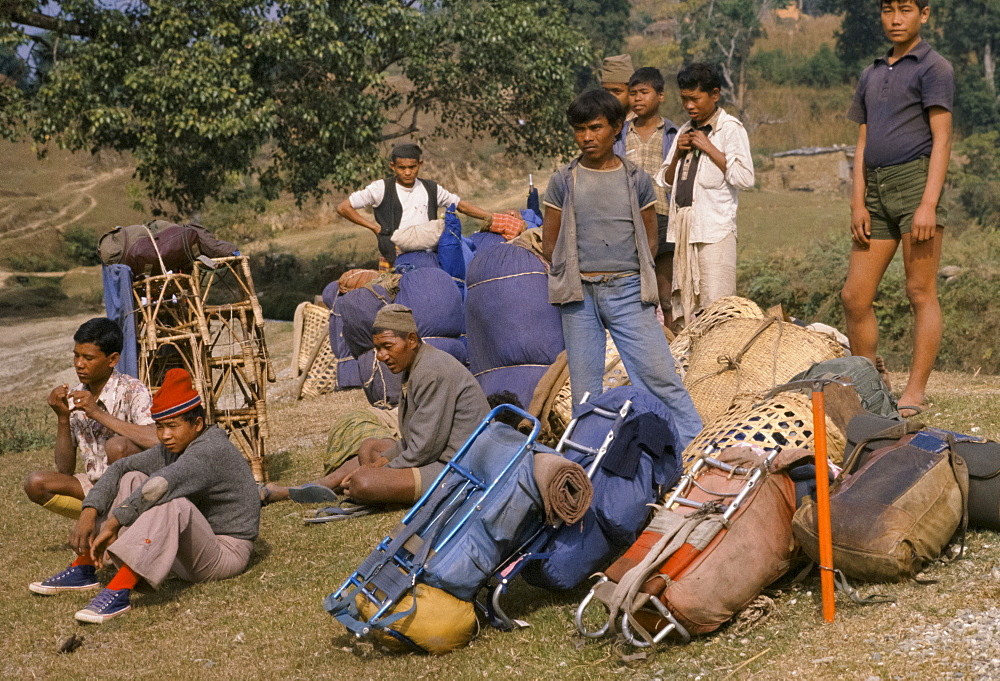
125 398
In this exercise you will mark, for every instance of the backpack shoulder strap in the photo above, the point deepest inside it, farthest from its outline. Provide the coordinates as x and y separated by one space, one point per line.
891 433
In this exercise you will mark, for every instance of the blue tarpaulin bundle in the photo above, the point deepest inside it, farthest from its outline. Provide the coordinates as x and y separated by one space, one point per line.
437 308
357 309
415 260
514 333
347 366
481 241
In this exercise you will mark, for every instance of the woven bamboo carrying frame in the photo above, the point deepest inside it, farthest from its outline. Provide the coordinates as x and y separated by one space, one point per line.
784 420
210 322
723 309
750 355
315 364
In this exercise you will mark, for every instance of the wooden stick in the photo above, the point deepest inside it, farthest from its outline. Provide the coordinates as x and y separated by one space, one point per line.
823 504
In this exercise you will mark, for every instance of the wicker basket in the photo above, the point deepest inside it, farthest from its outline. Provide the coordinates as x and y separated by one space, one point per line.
784 420
723 309
742 356
318 363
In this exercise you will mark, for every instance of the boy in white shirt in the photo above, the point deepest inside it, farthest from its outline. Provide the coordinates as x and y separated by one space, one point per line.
402 201
706 166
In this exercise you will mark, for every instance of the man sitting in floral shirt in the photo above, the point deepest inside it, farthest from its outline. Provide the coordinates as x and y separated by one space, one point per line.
104 418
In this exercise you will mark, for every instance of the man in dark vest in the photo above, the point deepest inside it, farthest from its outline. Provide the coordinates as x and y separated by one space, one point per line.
401 201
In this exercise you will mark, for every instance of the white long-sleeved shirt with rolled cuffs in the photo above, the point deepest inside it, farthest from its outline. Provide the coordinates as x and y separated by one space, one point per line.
412 199
715 196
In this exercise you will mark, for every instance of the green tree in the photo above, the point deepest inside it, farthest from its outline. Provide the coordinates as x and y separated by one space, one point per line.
299 95
860 38
721 32
969 35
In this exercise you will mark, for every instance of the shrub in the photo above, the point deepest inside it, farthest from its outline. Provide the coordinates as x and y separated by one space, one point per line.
80 245
802 284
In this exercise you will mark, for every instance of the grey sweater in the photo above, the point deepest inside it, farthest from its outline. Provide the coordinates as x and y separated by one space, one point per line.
211 473
442 404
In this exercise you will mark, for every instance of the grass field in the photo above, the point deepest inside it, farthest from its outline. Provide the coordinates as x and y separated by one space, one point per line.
269 622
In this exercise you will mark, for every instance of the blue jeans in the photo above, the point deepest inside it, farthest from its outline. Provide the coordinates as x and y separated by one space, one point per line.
617 306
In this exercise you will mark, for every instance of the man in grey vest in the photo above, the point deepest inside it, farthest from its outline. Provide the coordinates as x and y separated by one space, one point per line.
401 201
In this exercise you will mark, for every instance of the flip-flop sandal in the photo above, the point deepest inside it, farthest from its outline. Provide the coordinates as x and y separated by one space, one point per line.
343 511
312 493
915 408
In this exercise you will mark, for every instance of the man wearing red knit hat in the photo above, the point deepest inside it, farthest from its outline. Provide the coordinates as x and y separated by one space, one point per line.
189 506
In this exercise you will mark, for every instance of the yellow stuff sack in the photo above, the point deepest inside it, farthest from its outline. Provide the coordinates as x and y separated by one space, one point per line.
439 624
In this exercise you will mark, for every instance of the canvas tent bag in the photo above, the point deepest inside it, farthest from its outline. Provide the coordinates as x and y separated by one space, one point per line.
892 512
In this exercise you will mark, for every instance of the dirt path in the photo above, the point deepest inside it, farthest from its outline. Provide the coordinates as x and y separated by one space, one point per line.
74 197
38 356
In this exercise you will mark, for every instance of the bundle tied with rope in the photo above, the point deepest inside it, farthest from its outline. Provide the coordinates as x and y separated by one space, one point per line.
747 356
723 309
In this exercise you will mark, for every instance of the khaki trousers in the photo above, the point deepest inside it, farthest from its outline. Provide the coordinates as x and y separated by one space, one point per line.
175 537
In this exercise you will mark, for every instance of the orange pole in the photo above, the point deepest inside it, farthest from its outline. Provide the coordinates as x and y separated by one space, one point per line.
823 505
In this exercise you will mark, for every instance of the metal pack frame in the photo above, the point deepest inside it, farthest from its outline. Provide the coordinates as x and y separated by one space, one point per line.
396 565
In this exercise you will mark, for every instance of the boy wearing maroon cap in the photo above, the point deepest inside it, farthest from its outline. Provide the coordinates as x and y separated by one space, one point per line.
188 505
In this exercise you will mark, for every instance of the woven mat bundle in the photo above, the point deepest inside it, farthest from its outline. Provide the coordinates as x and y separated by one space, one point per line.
723 309
742 356
783 420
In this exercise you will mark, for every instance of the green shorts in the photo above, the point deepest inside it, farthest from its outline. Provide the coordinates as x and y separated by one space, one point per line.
892 196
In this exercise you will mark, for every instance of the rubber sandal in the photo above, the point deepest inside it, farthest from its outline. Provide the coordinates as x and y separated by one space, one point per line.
915 408
312 493
343 511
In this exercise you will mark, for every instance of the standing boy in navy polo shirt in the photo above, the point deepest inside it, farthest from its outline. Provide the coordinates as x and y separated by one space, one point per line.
903 104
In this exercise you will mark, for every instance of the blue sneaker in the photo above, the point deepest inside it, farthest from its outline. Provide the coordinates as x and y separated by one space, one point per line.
105 605
73 578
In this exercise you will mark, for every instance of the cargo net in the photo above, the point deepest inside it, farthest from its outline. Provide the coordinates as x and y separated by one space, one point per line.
211 324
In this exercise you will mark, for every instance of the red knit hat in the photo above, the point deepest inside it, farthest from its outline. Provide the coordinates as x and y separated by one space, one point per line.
176 396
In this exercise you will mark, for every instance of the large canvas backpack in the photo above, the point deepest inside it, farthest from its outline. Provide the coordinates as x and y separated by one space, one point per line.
893 509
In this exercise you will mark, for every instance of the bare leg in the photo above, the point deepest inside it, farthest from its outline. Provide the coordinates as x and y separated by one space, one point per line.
381 486
40 486
864 272
664 265
921 261
119 447
369 454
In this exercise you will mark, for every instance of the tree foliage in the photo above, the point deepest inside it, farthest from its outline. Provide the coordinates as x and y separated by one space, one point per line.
293 94
860 38
969 35
721 32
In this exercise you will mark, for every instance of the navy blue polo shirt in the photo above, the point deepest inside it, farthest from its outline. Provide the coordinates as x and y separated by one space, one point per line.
894 101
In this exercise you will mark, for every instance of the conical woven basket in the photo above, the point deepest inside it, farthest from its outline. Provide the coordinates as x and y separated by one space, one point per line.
723 309
749 356
784 420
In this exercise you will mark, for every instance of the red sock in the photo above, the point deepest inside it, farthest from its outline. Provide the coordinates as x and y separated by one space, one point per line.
124 579
82 560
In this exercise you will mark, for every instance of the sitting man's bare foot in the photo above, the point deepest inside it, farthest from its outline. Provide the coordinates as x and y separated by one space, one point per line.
270 493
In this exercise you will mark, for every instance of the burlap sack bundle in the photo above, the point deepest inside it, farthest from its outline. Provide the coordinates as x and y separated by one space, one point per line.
784 420
352 279
750 356
723 309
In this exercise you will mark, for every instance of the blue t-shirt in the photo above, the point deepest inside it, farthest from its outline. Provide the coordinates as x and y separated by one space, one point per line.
605 234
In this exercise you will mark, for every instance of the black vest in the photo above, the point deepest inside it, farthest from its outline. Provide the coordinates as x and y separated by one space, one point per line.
389 213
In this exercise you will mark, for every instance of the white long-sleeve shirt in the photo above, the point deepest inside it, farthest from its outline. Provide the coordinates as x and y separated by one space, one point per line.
715 193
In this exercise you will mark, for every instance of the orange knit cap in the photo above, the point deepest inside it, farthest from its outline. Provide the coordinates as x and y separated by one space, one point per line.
176 396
